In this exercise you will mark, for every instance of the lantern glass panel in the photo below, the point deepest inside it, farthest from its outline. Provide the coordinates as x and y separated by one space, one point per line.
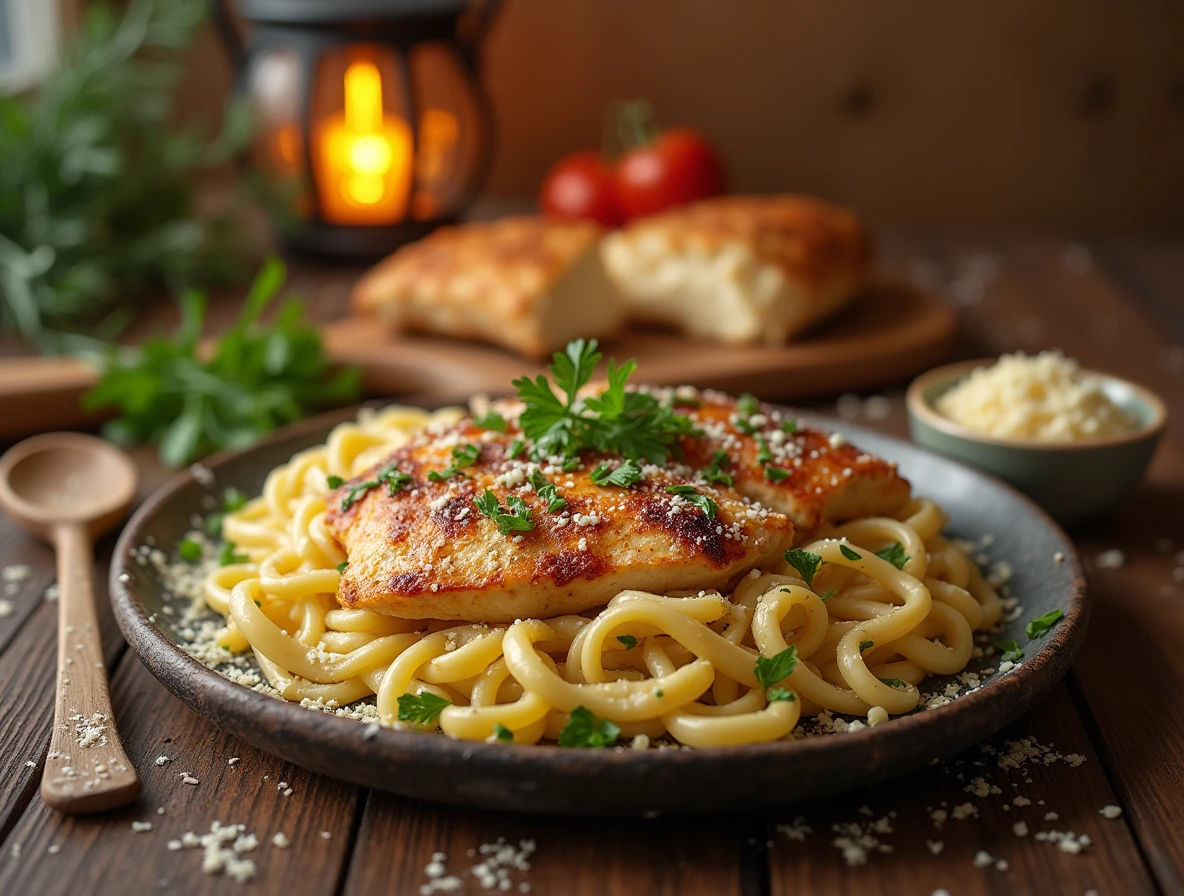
278 145
361 143
450 136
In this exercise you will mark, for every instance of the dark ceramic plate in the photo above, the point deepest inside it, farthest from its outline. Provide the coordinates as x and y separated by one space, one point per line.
622 781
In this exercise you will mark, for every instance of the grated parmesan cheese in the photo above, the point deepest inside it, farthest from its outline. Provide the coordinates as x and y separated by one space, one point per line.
1045 397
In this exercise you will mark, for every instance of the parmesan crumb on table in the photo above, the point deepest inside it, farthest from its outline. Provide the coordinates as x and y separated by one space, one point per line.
1110 811
163 760
233 761
280 840
6 608
1111 559
189 779
140 827
222 850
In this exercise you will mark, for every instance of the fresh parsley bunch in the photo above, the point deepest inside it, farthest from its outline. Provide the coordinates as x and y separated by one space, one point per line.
97 183
259 377
634 425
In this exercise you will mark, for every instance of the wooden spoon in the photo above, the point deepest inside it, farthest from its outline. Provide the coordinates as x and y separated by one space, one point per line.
69 488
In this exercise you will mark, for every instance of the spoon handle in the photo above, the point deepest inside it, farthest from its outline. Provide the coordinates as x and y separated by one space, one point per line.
87 769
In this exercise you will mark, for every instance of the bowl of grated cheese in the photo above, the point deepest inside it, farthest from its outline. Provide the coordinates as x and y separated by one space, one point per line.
1076 441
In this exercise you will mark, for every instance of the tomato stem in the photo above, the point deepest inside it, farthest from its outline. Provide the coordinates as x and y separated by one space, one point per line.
628 124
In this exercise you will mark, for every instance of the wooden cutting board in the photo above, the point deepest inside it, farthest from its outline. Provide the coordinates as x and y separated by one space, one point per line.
889 334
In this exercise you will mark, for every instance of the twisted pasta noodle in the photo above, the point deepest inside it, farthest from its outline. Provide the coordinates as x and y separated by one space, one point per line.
679 665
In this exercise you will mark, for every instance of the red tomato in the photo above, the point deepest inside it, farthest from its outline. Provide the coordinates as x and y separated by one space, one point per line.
679 167
581 186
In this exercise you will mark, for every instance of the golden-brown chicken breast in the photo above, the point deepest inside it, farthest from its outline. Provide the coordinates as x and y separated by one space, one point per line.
424 549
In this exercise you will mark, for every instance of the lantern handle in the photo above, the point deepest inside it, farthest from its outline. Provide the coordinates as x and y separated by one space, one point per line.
223 25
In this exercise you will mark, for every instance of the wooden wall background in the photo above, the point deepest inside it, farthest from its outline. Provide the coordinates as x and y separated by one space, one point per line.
1033 113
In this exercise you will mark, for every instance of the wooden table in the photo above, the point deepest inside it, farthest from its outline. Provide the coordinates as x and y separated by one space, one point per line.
1115 304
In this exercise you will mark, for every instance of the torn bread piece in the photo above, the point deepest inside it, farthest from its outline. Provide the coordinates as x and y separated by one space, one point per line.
528 284
741 269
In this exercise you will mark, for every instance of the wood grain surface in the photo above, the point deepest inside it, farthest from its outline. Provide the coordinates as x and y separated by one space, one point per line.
1117 722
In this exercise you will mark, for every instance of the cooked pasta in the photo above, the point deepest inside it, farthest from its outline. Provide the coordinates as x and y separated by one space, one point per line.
681 666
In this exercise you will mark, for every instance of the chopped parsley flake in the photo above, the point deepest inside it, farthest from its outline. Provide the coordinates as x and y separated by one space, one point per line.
462 456
342 565
866 645
547 492
830 592
772 670
790 427
894 554
189 550
233 499
628 640
334 481
764 455
775 694
627 474
516 447
514 519
1011 650
714 474
504 734
691 495
491 420
421 710
776 474
228 555
746 427
585 729
747 404
805 563
390 476
1040 626
848 553
895 683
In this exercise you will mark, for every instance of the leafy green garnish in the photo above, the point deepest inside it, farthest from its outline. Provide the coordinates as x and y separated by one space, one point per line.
334 481
848 553
390 476
228 555
623 476
628 640
691 495
805 563
462 456
776 474
764 455
259 377
866 645
790 427
514 519
894 554
516 447
585 729
746 427
189 550
99 195
421 710
775 694
894 683
747 404
491 420
547 492
714 474
1011 650
1040 626
502 733
634 424
772 670
342 565
233 499
830 592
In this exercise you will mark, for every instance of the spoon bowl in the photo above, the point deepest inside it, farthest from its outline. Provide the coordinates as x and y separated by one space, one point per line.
66 478
69 488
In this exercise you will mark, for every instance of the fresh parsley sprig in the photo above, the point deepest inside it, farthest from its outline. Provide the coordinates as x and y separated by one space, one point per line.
634 425
692 495
628 640
1041 625
715 474
514 518
260 376
491 420
894 554
586 729
1010 650
772 670
390 476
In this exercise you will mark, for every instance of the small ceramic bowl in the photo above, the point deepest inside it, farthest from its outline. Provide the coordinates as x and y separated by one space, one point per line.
1073 481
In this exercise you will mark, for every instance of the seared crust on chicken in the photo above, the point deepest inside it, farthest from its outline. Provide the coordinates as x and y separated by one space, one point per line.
427 552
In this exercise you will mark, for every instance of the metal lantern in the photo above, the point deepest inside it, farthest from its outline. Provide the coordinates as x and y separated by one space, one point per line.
371 127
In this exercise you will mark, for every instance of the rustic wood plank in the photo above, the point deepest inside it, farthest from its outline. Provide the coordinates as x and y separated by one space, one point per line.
579 857
102 854
897 815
